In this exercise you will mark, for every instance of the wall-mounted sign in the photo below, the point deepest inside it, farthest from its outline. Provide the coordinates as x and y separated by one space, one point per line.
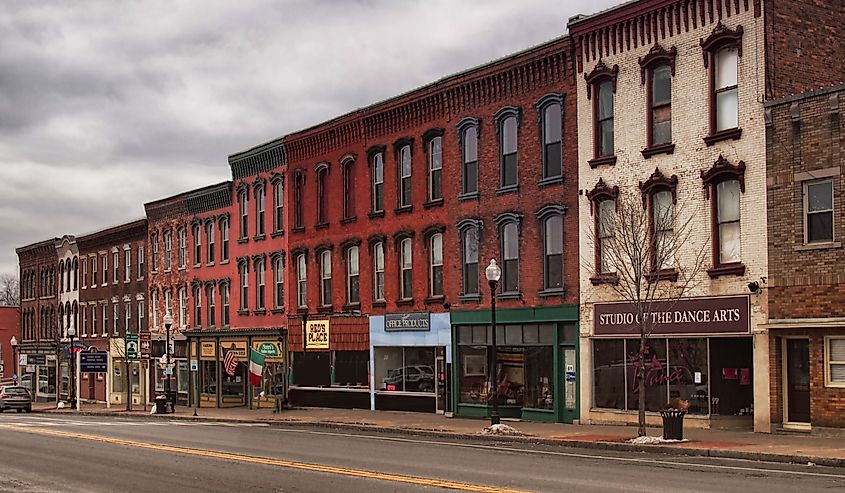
317 334
207 349
407 321
239 348
272 350
719 315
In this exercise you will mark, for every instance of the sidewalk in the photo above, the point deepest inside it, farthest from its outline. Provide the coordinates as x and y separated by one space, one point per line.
820 450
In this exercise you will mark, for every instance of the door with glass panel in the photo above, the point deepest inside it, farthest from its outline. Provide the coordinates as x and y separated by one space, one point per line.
797 380
440 380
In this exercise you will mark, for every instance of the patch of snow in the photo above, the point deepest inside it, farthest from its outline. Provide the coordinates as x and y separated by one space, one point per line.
501 429
60 405
647 440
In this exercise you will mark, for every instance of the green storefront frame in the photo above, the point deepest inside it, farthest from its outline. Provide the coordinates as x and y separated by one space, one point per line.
566 315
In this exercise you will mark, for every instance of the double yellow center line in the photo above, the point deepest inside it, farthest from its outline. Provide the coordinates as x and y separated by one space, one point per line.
302 466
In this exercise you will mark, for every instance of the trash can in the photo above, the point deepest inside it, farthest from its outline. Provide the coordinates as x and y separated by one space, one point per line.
673 424
161 404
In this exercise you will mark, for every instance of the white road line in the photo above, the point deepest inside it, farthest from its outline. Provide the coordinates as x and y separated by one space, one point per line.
650 462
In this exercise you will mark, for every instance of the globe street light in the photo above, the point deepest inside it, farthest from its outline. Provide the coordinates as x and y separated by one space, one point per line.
493 273
71 333
168 322
14 343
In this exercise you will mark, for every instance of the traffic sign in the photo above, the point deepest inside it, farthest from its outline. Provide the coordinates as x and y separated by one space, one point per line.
195 366
94 362
146 344
132 347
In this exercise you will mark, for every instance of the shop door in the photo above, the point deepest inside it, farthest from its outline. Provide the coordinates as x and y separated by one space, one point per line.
570 385
441 380
797 380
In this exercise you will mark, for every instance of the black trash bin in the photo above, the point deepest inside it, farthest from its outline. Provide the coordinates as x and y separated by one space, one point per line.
673 424
161 404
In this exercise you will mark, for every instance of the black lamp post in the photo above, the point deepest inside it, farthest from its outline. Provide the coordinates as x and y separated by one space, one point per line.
168 369
71 333
493 273
14 343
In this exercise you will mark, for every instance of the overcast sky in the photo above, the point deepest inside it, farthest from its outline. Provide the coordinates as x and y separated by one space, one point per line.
105 105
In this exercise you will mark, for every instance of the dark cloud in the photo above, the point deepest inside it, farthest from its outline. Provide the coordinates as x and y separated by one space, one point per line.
105 105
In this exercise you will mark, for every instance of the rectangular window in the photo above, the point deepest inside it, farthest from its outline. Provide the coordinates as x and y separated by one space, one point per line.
326 278
183 307
84 319
604 119
278 206
298 195
244 286
168 250
94 271
94 321
553 259
662 225
259 285
105 328
209 300
141 315
127 316
154 251
279 280
127 265
115 258
224 300
352 276
349 189
818 211
104 260
154 307
405 176
552 136
197 244
406 267
142 264
508 174
727 217
660 114
726 89
84 274
301 272
259 211
322 196
470 159
224 241
436 266
435 169
209 238
834 361
183 248
378 182
470 258
378 272
510 255
606 225
197 306
408 369
244 196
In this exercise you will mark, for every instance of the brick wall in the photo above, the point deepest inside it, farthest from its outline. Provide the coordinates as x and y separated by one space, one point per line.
804 45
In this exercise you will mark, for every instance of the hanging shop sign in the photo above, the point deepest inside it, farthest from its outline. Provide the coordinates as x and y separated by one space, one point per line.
702 316
414 321
272 350
207 350
317 334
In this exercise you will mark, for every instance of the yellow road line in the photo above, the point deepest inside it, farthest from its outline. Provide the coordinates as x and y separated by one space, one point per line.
358 473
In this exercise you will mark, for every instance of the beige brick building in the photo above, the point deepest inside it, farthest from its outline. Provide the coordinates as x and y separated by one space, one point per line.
670 111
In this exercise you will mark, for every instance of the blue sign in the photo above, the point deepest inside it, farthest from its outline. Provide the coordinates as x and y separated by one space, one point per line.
94 362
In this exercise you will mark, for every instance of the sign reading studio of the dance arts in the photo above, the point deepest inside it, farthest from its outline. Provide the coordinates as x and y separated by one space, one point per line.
720 315
406 321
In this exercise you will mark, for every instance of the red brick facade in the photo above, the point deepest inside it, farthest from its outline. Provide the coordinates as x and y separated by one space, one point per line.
9 327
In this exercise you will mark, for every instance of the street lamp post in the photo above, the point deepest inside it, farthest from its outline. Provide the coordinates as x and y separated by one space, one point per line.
14 343
168 322
493 273
71 333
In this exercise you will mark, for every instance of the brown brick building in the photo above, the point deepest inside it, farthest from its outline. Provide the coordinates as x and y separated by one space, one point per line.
805 171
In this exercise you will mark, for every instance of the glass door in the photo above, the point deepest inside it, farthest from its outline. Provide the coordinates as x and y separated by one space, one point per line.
570 385
441 380
797 380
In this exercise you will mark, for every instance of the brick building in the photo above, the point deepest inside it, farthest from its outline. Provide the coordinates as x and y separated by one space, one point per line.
39 342
805 171
10 320
700 157
112 302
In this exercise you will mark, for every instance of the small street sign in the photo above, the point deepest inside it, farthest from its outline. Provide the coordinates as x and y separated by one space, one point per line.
94 362
133 349
146 344
195 365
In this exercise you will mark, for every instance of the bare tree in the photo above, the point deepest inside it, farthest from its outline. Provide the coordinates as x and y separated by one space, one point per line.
9 292
647 257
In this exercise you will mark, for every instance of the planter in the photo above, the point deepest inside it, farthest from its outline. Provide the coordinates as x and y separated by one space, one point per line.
673 424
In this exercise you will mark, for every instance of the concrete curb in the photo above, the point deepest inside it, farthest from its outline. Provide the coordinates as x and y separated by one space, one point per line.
669 449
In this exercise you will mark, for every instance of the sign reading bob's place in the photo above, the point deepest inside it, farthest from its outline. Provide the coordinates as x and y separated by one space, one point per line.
719 315
317 334
394 322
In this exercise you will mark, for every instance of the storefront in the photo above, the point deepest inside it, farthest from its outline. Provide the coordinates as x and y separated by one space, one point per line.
127 381
699 350
92 386
537 363
411 356
223 357
332 370
38 371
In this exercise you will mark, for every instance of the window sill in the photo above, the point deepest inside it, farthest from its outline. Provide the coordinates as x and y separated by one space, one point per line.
352 307
508 189
379 304
408 302
510 295
180 269
210 264
431 300
550 292
730 134
817 246
325 309
224 262
302 310
321 225
601 161
433 203
299 229
734 269
349 220
662 275
550 180
604 279
243 312
277 234
470 298
403 210
259 311
258 237
278 310
242 241
658 149
376 215
468 196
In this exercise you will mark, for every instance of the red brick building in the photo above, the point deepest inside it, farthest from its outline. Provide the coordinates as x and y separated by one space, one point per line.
39 341
806 184
113 302
9 328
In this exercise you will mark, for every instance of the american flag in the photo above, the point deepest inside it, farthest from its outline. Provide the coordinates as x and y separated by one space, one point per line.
229 363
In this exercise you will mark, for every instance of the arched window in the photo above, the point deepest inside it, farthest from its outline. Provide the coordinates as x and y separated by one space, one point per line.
153 253
433 145
435 274
244 275
352 276
301 281
550 110
197 233
210 303
659 196
376 157
298 197
469 257
507 127
260 280
378 271
61 274
468 135
243 198
168 250
278 204
224 240
326 278
322 195
279 281
197 306
403 160
508 225
405 268
209 239
183 249
551 219
349 188
224 302
260 198
183 307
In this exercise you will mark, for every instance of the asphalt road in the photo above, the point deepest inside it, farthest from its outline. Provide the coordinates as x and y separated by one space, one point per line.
40 453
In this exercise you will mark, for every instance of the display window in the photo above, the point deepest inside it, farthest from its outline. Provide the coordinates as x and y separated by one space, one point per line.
209 377
404 369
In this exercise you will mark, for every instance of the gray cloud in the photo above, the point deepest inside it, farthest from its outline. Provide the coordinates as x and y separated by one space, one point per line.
105 105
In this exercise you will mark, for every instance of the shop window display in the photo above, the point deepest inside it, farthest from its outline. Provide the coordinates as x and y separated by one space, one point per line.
351 368
209 377
408 369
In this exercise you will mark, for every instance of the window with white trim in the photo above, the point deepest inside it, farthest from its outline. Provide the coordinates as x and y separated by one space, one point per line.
260 269
197 292
142 262
279 282
209 238
405 267
182 237
378 182
352 276
104 259
183 307
224 301
168 250
209 301
154 303
435 274
127 316
154 251
301 281
244 273
224 240
197 233
404 158
818 211
326 278
244 203
141 315
378 271
115 258
127 264
260 197
834 352
435 169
